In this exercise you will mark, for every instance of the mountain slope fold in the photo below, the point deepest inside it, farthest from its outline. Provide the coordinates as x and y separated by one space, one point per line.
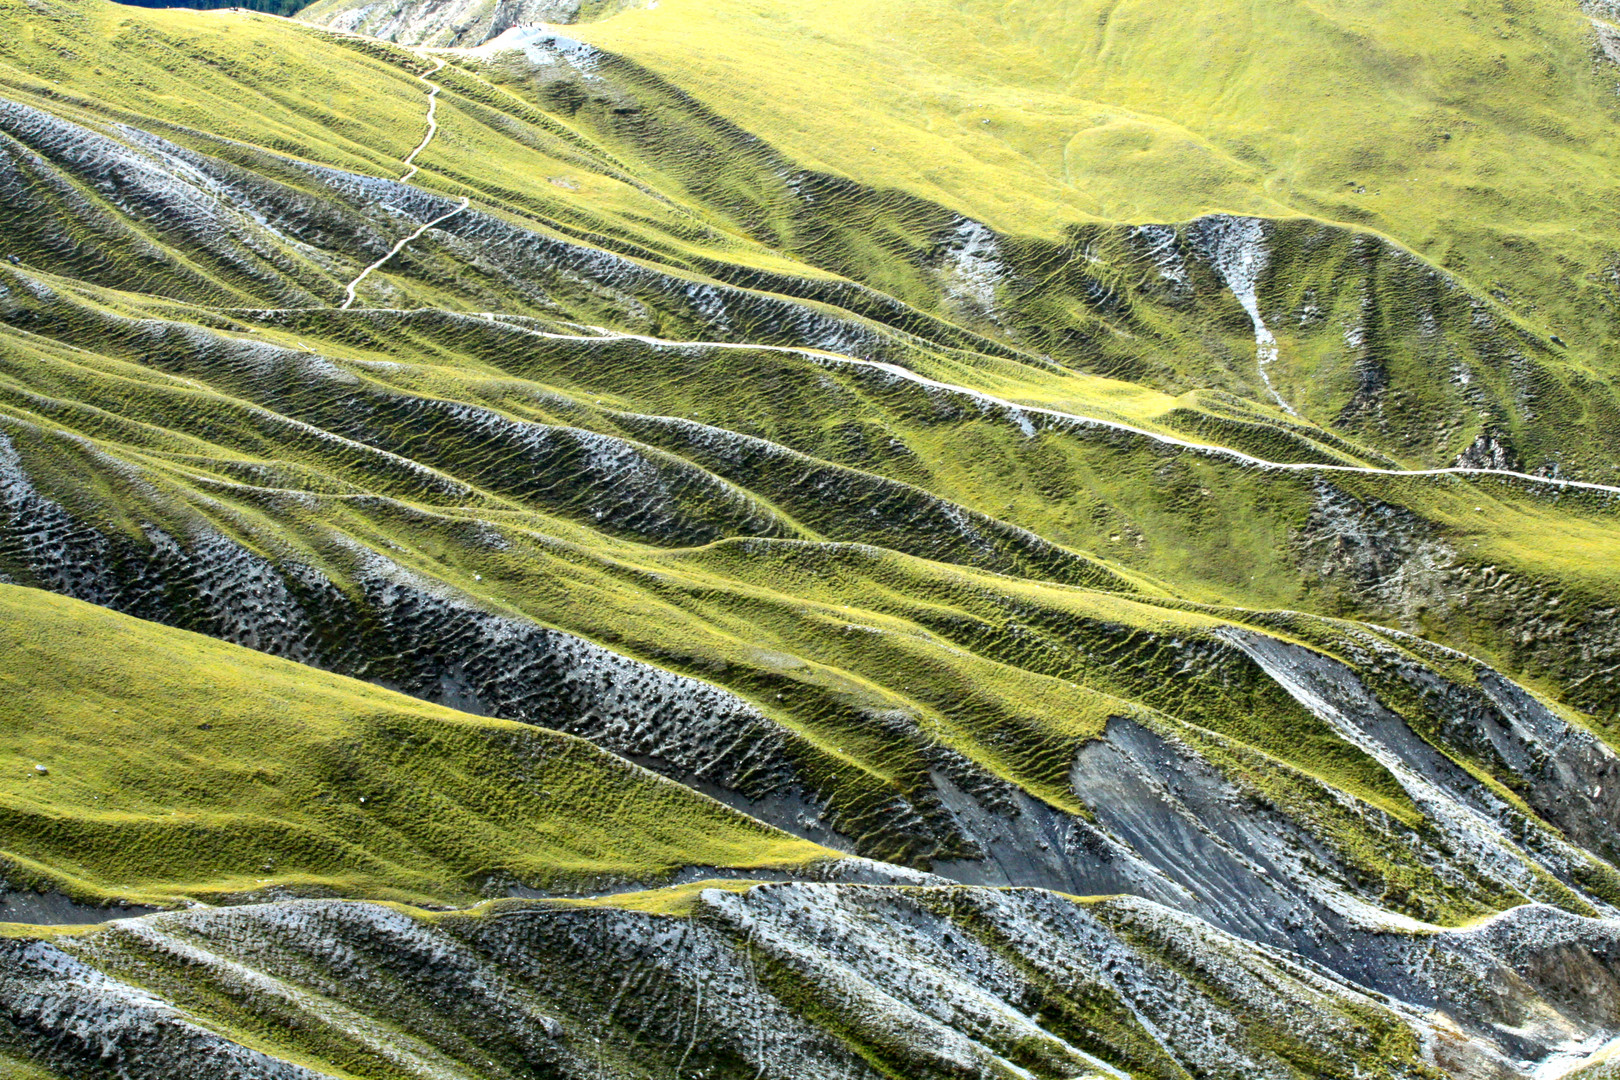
1175 640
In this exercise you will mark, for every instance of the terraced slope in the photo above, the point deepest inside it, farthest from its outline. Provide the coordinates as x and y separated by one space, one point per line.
1393 148
523 382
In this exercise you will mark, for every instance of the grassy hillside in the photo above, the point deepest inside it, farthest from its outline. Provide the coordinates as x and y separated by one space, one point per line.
789 487
618 156
1088 449
475 528
181 767
1478 135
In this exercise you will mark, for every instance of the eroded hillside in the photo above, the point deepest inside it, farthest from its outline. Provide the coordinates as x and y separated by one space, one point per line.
1253 577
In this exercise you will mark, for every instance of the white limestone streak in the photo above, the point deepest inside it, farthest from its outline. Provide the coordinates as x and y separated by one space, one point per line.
973 269
1474 828
1161 250
1237 252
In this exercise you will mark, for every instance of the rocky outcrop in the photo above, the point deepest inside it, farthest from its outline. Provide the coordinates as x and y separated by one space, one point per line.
790 980
450 23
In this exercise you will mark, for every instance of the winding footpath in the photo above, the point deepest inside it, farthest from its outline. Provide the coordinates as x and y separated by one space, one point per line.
410 160
432 118
1020 413
396 249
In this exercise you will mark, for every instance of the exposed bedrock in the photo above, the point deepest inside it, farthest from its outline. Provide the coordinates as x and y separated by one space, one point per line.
1367 555
1465 813
451 22
648 433
389 625
787 980
1496 799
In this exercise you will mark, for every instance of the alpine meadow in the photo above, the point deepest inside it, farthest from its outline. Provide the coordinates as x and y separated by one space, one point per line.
810 540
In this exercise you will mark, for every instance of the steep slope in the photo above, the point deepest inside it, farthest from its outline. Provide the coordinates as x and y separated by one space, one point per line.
1084 559
791 980
156 765
505 425
1473 143
1475 134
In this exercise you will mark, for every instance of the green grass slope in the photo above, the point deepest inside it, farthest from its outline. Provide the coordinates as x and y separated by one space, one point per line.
854 415
797 489
1480 135
1481 146
619 157
180 767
